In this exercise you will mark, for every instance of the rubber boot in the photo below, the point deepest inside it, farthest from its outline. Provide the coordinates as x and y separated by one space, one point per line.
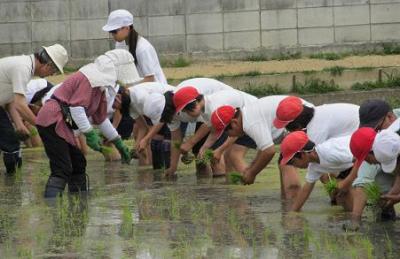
77 183
156 152
12 161
54 187
166 145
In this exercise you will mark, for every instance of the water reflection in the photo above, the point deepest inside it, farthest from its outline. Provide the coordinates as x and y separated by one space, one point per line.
137 213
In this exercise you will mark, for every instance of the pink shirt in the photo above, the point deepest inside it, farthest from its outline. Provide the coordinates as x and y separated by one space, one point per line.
75 91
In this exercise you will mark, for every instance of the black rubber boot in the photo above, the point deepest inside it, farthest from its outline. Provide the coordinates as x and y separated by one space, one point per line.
77 183
12 161
166 145
156 152
54 187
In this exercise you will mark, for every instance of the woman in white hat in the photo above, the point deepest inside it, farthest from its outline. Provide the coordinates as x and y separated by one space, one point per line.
120 26
15 73
82 95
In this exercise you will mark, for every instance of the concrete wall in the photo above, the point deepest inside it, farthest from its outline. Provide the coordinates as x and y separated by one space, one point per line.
203 27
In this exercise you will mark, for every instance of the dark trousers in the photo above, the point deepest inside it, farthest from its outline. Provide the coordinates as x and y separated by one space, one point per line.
67 163
9 143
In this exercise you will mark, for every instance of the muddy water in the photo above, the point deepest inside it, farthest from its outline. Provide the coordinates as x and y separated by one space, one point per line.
131 213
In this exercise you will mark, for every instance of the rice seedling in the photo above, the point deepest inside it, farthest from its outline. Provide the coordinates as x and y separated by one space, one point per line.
33 132
235 178
106 150
177 144
134 154
373 193
126 229
187 158
331 185
208 156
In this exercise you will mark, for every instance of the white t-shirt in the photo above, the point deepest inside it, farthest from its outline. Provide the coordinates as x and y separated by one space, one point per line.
334 157
140 92
34 86
258 120
204 86
147 59
333 120
235 98
15 74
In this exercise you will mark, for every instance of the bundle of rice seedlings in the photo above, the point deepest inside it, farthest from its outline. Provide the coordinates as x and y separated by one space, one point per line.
235 178
134 154
187 158
177 144
33 132
106 150
331 185
373 193
207 157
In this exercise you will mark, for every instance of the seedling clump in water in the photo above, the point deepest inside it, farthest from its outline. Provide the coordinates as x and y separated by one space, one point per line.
106 150
373 193
331 185
207 157
235 178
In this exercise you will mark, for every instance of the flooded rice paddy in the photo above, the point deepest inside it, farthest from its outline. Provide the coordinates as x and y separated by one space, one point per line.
136 213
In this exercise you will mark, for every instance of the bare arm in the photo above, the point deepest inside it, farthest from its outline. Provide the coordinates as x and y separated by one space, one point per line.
16 117
117 118
22 107
346 182
176 137
144 142
262 159
200 133
302 196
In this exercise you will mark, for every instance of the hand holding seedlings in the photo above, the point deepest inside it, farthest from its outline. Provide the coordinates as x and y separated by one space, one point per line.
331 186
207 157
373 193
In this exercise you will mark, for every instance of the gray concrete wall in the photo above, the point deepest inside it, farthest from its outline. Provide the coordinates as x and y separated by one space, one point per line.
200 27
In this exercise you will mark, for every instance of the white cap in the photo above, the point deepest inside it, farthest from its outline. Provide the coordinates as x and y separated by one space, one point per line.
125 66
34 86
386 149
118 19
153 107
58 55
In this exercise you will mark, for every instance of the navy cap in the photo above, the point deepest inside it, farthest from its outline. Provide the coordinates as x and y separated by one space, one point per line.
372 112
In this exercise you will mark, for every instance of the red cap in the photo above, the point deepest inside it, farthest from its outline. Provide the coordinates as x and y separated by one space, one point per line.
361 144
291 144
221 117
184 96
287 111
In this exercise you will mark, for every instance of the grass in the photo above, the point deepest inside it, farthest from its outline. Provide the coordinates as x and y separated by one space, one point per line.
235 178
179 62
327 56
331 185
315 86
263 90
373 193
335 70
391 80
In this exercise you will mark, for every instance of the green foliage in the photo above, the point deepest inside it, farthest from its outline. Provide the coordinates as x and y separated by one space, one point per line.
327 56
208 156
259 57
331 185
235 178
391 80
391 48
106 150
179 62
315 86
187 158
373 193
265 90
335 70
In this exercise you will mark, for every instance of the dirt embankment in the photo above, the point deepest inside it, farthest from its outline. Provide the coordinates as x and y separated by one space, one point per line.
212 68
